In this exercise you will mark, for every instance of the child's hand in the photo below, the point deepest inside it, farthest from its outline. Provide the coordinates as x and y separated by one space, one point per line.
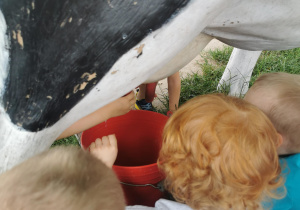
105 149
122 105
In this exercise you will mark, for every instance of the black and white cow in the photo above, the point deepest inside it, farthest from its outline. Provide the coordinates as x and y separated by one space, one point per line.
62 60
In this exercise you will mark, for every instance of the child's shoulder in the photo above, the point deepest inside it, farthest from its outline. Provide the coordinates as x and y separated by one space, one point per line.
291 159
162 204
291 171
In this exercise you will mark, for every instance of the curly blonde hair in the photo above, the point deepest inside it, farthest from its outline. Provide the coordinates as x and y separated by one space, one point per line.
220 152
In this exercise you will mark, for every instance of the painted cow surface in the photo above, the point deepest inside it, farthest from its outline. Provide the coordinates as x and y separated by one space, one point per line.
61 60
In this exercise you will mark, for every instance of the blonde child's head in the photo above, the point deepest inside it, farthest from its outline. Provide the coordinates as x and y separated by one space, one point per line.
61 178
278 96
219 152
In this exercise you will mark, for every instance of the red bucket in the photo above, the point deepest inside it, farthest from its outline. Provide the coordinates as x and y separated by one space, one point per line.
139 135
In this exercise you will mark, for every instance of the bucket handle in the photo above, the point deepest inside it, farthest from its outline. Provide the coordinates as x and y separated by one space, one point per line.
159 185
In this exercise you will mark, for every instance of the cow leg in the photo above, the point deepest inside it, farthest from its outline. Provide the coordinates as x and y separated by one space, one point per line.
238 71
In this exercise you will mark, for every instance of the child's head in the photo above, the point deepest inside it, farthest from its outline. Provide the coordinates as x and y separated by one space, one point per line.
220 152
278 96
61 178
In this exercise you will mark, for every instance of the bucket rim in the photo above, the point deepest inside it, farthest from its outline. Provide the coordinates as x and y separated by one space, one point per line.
135 167
132 112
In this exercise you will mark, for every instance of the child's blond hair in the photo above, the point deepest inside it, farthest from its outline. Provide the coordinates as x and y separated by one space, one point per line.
61 178
219 152
284 104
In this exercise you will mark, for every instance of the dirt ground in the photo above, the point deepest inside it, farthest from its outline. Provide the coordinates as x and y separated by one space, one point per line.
193 66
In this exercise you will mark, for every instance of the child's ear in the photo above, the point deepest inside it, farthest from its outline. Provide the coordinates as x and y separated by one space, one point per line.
280 139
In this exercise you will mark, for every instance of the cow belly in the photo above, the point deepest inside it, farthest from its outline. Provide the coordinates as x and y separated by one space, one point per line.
259 25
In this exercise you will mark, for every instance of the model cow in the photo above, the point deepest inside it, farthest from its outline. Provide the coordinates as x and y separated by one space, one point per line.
62 60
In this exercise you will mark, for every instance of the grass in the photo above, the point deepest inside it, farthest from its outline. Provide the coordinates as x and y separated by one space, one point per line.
277 61
212 69
72 140
270 61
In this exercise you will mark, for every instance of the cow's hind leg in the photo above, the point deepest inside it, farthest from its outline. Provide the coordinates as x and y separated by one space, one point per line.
238 71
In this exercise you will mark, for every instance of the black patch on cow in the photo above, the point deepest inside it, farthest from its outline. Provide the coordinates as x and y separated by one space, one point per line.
57 44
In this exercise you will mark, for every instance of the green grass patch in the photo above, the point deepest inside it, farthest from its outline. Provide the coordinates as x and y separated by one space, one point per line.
277 61
72 140
200 84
